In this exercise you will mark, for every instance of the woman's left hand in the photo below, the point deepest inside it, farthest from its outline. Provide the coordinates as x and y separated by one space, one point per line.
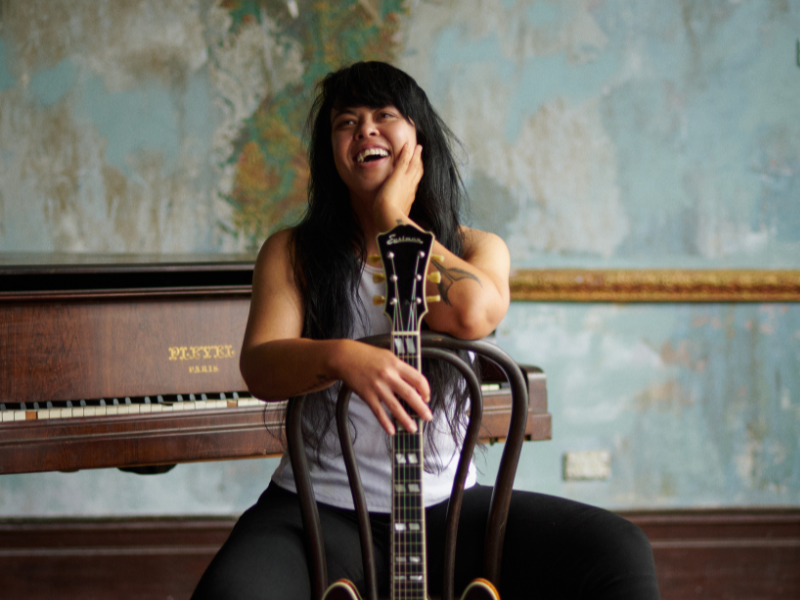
396 195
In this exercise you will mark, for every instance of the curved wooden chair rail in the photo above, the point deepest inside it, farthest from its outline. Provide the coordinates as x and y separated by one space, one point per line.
440 347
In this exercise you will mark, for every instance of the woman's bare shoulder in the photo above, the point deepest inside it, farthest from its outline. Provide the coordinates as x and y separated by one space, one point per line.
477 241
280 242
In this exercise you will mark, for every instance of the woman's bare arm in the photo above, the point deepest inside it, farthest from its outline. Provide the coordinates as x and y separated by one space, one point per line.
474 288
277 363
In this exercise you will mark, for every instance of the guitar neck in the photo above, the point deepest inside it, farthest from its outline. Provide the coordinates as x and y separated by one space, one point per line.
405 253
409 570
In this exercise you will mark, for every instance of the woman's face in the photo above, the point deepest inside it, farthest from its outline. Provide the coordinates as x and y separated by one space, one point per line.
366 144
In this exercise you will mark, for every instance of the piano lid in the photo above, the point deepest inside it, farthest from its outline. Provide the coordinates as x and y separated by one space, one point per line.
34 274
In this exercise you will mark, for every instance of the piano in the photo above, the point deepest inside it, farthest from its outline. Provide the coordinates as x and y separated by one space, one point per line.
121 362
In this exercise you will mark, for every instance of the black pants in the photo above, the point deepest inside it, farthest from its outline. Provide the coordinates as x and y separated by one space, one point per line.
553 548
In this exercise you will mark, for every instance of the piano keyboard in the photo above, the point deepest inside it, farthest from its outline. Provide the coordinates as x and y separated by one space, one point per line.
67 409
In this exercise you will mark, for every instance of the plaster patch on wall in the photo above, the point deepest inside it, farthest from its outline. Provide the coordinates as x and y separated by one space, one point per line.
668 396
564 168
519 33
746 461
560 167
111 149
123 42
247 66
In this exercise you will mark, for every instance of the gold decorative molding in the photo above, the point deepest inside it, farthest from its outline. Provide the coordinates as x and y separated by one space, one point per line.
655 285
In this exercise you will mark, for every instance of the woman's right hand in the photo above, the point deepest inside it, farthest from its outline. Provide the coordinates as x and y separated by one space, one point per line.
380 378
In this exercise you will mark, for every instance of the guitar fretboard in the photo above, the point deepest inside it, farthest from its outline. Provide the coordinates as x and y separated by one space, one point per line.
409 581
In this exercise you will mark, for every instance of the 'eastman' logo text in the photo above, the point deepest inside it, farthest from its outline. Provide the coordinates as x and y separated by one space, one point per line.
402 240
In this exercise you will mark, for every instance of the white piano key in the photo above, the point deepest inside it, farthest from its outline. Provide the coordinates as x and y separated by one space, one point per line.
43 414
19 415
145 408
77 412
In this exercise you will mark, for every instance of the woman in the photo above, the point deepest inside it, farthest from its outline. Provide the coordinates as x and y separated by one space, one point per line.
379 156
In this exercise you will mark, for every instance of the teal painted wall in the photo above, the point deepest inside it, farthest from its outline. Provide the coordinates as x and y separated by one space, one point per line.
622 133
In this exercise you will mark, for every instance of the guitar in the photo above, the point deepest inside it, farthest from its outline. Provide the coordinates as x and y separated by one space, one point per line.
405 253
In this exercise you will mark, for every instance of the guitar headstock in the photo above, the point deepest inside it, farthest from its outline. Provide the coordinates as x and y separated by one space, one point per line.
405 254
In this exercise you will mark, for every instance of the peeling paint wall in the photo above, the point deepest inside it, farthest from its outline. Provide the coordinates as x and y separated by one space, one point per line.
621 133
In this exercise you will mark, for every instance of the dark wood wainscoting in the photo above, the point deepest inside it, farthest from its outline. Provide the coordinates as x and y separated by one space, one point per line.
731 555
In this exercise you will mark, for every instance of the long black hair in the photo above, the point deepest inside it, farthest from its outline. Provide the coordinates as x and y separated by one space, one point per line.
329 245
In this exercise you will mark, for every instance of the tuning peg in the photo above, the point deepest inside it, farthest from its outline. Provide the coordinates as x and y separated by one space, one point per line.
437 257
431 299
374 259
435 277
378 278
378 300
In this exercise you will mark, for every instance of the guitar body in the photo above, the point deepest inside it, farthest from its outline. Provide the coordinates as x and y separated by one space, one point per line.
343 590
405 255
480 589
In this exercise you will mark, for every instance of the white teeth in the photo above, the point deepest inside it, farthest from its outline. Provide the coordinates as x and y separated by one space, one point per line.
370 152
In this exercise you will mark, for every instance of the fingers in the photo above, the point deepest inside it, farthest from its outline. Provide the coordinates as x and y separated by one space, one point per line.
402 382
388 396
410 160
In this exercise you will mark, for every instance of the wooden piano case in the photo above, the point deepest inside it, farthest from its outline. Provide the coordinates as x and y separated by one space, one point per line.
104 331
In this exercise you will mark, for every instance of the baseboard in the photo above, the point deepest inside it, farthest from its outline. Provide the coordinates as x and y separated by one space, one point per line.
731 554
743 554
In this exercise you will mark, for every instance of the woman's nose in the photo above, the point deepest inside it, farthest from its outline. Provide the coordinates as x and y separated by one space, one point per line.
366 128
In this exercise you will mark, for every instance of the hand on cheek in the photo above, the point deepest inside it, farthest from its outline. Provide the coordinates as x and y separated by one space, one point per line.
395 197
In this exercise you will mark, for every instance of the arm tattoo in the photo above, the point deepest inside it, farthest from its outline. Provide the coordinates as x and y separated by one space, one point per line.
449 277
399 221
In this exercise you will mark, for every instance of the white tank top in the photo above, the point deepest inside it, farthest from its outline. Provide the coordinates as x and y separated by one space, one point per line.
371 442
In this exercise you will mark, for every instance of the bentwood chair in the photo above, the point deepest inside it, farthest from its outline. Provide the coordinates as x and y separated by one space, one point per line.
438 347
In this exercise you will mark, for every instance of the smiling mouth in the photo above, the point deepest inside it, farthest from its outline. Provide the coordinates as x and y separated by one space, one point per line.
371 154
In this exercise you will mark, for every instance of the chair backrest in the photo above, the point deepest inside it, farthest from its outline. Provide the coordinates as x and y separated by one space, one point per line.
439 347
